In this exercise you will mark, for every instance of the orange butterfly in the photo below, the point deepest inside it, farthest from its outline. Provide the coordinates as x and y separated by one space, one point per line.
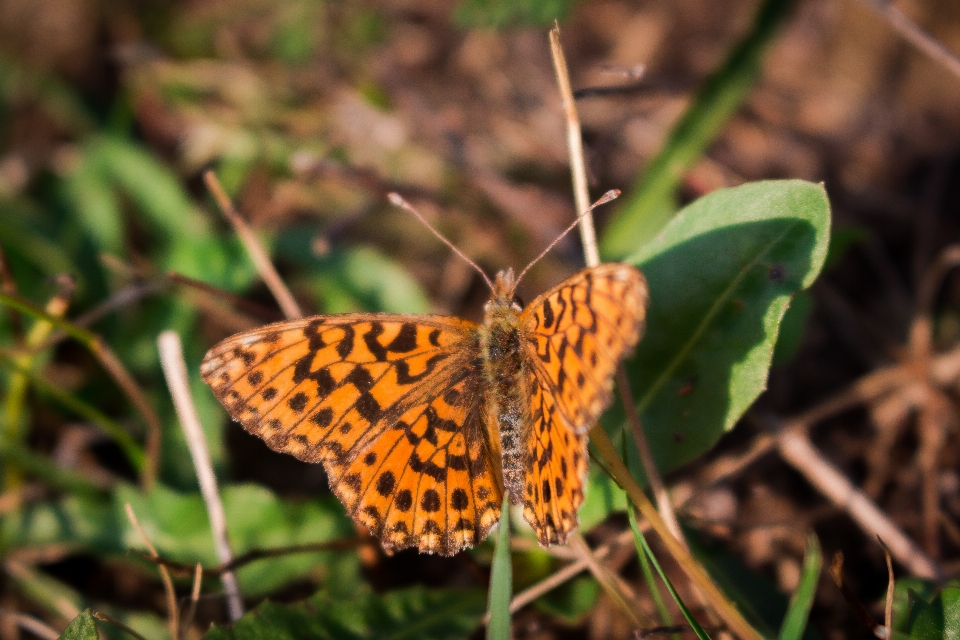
422 422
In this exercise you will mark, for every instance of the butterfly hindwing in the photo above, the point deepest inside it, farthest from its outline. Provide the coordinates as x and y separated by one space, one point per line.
573 337
389 404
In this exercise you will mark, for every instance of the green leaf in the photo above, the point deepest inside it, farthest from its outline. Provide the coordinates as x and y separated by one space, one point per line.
151 185
938 619
81 628
792 328
501 579
95 205
721 276
906 591
23 235
359 278
795 622
505 13
650 203
364 279
413 613
178 525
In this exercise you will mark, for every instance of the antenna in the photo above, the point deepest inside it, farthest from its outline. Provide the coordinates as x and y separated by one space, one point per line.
398 201
613 194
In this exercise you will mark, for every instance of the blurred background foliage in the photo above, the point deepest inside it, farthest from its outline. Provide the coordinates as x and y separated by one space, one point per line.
310 111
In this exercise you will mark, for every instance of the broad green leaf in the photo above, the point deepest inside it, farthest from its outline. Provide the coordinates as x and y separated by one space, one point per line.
650 203
178 526
81 628
792 328
415 613
721 277
501 579
366 279
795 622
938 619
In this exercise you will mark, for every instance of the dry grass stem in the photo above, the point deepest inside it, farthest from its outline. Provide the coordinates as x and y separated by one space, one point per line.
619 591
578 167
31 624
125 381
917 36
891 588
694 571
566 573
172 613
175 370
191 609
257 253
657 486
797 450
99 615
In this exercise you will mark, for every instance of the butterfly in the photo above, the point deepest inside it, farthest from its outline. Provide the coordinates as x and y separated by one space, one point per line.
423 421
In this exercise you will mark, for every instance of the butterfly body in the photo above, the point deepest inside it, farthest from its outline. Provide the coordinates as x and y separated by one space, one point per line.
421 422
507 397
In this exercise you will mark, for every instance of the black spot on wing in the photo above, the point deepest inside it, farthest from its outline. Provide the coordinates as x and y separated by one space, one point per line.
404 500
386 483
406 339
345 346
403 369
370 339
430 501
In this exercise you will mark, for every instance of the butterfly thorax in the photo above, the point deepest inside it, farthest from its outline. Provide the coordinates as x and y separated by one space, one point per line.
507 398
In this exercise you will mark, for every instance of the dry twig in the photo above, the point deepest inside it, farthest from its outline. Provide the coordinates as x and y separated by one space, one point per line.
257 253
172 614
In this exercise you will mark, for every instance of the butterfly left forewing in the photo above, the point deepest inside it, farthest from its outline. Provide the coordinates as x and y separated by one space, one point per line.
389 404
573 337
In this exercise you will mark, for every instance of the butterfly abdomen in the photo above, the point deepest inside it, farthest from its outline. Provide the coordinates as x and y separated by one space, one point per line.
507 397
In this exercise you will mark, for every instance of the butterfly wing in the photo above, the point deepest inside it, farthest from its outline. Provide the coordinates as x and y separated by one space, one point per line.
573 338
391 405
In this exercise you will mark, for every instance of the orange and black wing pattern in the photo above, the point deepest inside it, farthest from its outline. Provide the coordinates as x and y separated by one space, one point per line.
390 404
573 337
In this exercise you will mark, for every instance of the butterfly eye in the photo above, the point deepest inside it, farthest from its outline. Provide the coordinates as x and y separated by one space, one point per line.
518 302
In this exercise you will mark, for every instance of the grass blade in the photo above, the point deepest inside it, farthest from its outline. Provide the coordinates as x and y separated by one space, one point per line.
644 549
501 580
648 573
795 622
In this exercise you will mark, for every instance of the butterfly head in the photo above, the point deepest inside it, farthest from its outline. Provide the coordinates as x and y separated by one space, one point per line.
504 292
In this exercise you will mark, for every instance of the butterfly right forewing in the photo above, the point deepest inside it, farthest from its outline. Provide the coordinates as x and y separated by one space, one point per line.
574 336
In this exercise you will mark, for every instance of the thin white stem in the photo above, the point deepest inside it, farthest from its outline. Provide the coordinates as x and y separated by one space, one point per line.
175 371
